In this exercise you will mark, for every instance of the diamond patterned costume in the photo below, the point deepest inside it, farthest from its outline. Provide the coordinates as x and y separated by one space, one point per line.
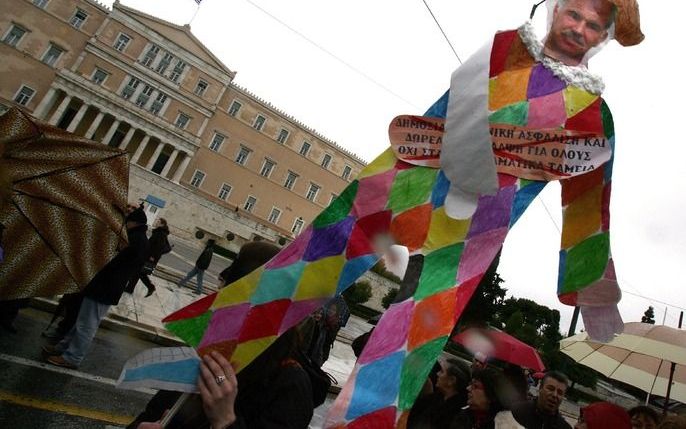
448 256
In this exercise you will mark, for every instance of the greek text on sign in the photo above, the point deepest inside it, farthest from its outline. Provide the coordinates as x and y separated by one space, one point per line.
553 154
417 139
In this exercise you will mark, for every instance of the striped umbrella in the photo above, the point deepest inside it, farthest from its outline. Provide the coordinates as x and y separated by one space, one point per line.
642 356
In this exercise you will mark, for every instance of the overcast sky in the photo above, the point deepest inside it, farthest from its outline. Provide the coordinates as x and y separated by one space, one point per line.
388 57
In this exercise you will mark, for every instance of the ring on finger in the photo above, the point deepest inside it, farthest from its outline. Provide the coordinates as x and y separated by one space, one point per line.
220 379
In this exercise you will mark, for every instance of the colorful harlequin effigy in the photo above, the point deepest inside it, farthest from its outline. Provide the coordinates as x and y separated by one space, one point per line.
543 128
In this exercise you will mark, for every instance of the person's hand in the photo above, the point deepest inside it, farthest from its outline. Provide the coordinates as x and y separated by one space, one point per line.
218 389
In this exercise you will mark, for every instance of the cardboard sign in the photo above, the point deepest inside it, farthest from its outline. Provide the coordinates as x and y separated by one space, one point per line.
529 153
540 154
417 139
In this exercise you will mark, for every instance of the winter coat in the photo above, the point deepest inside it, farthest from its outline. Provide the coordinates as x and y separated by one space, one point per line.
108 284
466 419
282 402
204 259
159 244
528 415
432 411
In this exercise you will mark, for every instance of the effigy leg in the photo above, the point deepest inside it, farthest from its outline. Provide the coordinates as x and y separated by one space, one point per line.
411 335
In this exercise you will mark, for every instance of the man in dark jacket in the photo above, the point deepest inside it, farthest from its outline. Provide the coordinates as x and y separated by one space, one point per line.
200 266
543 412
103 291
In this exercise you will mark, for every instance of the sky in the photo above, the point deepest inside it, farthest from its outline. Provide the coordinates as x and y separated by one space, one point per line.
347 68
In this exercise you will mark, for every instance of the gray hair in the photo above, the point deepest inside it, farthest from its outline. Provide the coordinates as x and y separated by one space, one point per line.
610 22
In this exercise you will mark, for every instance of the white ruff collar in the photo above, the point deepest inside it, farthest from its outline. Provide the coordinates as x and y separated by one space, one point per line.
578 76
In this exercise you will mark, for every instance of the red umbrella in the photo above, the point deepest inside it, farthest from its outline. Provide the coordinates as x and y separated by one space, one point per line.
499 345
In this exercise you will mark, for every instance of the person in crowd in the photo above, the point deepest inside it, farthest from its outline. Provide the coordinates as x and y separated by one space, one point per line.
673 422
68 307
603 415
159 245
544 411
336 315
272 392
479 361
248 260
201 264
485 407
516 384
103 291
313 330
439 403
644 417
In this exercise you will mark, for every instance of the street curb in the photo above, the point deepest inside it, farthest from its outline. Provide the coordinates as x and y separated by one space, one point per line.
116 323
122 325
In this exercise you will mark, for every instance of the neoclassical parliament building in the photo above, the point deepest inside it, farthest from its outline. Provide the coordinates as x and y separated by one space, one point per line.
209 156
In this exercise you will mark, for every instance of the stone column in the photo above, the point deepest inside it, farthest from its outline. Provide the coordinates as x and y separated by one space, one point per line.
77 119
127 138
45 104
169 164
111 131
153 158
141 148
94 125
55 118
182 167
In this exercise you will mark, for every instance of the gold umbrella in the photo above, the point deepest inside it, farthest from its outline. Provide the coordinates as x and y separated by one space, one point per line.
62 199
642 356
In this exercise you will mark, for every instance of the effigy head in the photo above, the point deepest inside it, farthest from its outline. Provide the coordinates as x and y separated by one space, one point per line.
578 29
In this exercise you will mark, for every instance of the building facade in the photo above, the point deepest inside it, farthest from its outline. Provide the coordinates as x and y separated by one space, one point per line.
212 158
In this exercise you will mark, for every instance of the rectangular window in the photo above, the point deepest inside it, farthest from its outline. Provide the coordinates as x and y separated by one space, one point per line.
99 76
197 178
259 122
182 120
144 96
346 172
243 155
177 71
235 107
164 63
158 104
250 203
78 19
326 160
267 167
24 95
40 3
216 142
224 192
274 215
283 136
122 42
130 87
305 148
200 88
290 180
150 55
312 192
333 197
52 55
298 226
13 36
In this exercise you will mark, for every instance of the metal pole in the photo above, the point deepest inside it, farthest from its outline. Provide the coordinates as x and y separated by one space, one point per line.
665 316
575 318
671 373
